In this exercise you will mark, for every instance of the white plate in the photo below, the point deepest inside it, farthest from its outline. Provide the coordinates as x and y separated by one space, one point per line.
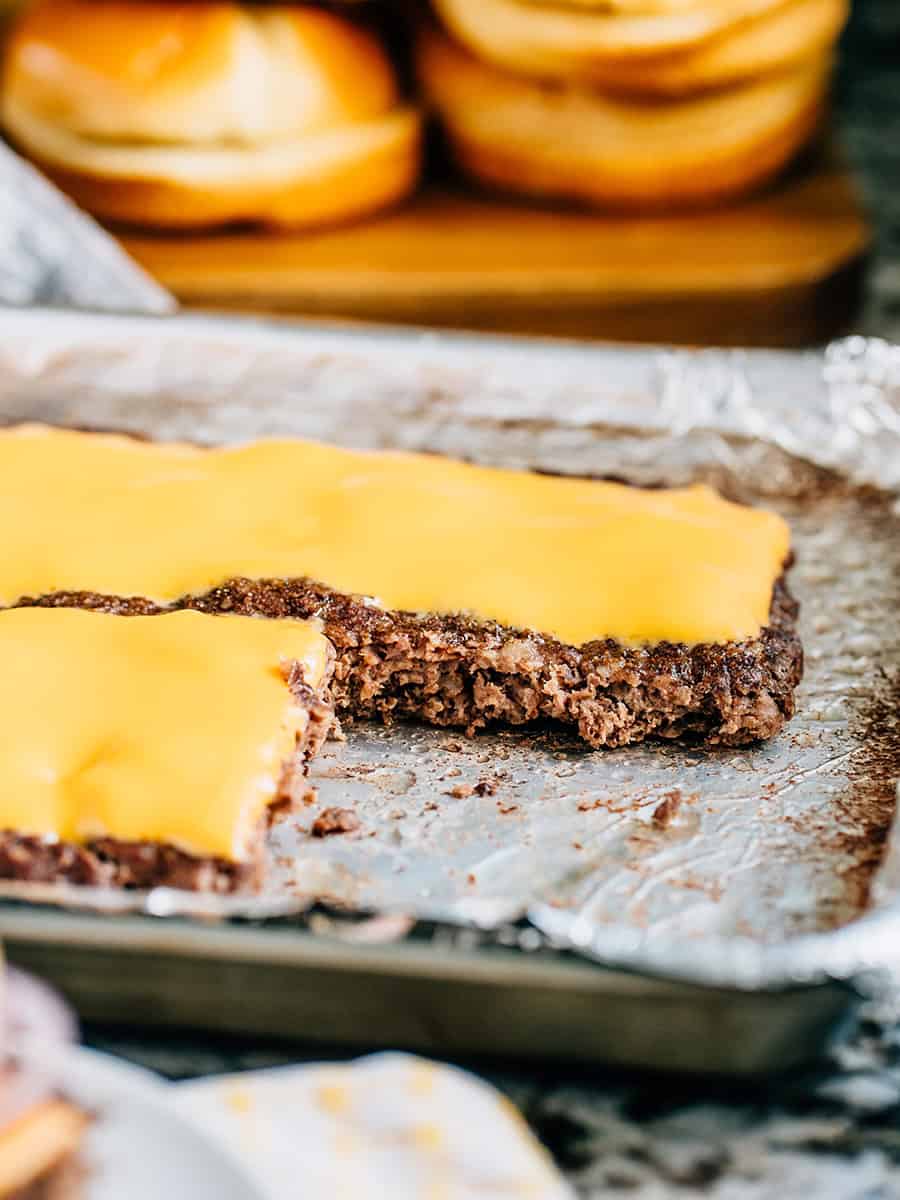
138 1146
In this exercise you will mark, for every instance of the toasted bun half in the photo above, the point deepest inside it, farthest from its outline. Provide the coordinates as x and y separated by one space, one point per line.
574 143
775 41
194 114
564 41
633 8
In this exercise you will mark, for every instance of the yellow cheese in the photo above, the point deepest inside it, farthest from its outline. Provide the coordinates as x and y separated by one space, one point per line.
171 728
574 558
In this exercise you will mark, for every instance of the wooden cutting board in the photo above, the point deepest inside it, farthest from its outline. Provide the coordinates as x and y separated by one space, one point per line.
781 269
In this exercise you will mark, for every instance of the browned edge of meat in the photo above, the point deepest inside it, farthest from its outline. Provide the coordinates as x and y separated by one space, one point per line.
108 862
469 673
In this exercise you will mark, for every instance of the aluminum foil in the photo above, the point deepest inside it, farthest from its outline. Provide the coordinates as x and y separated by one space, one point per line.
751 868
52 253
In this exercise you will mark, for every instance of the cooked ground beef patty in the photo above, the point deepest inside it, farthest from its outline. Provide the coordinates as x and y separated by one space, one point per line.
469 673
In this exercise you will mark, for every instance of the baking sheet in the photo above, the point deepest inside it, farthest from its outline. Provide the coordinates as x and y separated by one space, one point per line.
737 868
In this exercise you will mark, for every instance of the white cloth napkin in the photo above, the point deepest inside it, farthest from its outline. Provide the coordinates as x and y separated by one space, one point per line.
390 1126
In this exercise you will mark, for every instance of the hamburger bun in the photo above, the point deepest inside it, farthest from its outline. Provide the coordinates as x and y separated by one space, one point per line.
784 37
564 41
549 140
191 114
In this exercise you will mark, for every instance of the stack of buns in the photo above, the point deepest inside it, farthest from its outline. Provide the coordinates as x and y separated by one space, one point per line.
629 103
204 112
190 114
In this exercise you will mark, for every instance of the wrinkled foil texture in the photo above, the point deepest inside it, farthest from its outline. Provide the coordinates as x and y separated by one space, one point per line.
51 253
751 868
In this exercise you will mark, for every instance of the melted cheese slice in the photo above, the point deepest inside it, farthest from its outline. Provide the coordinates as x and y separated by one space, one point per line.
171 728
575 558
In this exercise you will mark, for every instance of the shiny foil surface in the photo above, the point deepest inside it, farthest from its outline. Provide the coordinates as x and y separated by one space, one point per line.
752 868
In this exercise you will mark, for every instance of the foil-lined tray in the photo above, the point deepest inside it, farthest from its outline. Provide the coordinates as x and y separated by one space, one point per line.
759 869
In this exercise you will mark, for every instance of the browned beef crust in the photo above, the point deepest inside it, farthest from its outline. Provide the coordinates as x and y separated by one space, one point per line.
107 862
458 671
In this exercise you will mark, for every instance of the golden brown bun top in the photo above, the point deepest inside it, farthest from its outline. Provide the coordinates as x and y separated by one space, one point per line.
640 8
127 70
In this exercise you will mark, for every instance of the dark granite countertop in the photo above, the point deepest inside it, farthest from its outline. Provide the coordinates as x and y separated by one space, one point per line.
833 1132
830 1133
868 115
